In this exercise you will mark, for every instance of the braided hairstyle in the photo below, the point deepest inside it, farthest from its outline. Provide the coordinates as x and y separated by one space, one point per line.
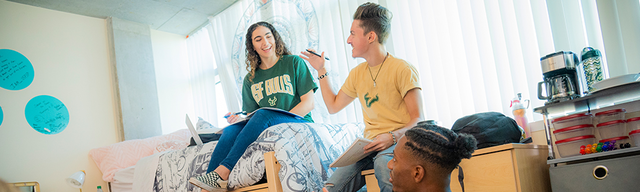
439 145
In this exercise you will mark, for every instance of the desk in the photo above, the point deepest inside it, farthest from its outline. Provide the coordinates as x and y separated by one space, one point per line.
508 167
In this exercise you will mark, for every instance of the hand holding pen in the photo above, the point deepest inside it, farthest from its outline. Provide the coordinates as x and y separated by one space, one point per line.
236 113
316 60
322 56
234 117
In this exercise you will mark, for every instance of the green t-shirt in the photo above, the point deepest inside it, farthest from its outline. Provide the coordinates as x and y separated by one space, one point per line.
279 86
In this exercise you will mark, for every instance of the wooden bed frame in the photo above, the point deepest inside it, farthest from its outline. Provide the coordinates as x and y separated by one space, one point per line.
273 180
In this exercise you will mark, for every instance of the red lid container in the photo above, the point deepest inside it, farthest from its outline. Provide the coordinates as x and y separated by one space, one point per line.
574 131
570 147
633 119
614 139
575 139
570 117
572 120
633 123
610 112
610 123
610 115
612 129
571 128
635 137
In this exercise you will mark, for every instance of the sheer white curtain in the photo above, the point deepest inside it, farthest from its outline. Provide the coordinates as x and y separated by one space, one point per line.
204 79
473 56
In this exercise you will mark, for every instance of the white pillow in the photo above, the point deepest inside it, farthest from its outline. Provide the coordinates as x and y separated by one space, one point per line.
204 127
202 124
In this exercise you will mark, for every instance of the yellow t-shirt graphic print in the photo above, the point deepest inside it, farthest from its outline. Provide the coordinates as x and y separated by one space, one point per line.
370 100
383 105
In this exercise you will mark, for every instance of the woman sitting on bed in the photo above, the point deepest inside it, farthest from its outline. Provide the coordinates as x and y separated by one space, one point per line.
276 79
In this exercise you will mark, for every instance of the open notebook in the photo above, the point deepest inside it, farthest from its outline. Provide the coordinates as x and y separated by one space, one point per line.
353 154
272 109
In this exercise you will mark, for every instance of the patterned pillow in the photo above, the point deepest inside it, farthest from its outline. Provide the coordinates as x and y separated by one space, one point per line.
171 145
112 158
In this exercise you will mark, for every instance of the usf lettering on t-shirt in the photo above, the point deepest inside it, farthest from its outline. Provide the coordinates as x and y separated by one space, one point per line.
279 86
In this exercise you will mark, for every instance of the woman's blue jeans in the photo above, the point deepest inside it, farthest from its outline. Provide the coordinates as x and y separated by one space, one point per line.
236 138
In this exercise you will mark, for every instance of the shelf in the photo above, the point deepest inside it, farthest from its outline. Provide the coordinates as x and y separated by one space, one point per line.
595 156
620 95
605 98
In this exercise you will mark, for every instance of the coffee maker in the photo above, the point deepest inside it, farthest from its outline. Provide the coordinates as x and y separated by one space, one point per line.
562 78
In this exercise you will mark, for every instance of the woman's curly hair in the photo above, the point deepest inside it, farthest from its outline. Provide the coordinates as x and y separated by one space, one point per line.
439 145
253 59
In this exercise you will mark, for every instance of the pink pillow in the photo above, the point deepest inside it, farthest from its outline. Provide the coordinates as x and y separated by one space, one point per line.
110 159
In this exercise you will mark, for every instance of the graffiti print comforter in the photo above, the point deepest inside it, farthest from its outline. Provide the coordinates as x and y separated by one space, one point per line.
304 150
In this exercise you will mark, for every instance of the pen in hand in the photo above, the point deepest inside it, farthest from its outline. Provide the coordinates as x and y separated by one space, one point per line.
236 113
327 58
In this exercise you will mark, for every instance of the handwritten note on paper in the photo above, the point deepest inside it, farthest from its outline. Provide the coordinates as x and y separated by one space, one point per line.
47 115
16 71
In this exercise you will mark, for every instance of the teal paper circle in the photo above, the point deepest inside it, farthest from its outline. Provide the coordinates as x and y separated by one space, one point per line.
1 115
46 114
16 71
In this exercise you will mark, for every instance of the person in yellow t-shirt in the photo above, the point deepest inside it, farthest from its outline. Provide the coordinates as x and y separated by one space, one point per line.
388 89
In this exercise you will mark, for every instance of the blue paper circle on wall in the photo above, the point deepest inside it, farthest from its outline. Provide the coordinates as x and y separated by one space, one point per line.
46 114
1 116
16 71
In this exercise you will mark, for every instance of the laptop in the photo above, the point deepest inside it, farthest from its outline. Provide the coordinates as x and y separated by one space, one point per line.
193 131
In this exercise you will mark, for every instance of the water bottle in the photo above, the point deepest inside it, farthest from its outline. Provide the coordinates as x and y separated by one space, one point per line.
519 111
99 189
592 66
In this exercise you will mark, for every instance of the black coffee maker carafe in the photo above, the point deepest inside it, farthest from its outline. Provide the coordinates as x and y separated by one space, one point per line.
562 79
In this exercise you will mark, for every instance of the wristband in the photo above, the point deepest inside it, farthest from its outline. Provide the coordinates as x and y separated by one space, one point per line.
394 138
323 76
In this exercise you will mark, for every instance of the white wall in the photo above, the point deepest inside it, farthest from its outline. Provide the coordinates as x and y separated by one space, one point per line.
70 56
132 50
172 72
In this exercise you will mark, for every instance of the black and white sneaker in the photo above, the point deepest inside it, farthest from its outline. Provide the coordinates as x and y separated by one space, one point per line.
210 182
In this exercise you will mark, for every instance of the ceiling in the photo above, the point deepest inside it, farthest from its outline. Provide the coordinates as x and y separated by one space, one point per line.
174 16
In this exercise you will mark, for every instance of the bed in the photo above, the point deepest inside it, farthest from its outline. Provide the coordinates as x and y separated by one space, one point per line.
303 152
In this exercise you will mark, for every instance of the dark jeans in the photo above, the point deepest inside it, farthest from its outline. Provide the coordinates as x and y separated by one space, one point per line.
349 178
236 138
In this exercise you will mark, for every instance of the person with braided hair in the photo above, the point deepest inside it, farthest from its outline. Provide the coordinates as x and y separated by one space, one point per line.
425 157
